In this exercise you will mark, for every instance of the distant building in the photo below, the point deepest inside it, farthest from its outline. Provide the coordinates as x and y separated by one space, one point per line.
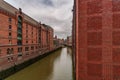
58 42
69 41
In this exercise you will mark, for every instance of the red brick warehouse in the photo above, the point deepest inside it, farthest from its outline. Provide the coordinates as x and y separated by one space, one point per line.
21 37
97 39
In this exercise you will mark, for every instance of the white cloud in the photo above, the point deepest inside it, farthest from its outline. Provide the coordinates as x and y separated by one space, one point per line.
56 13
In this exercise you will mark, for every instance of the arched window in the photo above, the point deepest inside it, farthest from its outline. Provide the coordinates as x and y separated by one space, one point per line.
19 34
8 51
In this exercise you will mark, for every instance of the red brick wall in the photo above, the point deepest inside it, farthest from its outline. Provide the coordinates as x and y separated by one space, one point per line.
50 38
44 37
4 30
97 39
34 33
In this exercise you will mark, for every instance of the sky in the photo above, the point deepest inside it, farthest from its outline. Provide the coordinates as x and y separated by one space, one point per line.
56 13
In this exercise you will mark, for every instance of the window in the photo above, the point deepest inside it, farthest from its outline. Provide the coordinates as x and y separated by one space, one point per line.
9 33
10 20
19 49
26 41
32 48
8 51
26 48
26 31
8 59
19 52
10 27
10 42
12 51
19 42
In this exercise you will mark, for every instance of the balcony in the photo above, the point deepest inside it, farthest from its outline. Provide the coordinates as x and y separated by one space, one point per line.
19 32
19 20
19 38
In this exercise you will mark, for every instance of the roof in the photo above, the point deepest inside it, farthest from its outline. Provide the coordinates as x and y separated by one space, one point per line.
47 26
6 6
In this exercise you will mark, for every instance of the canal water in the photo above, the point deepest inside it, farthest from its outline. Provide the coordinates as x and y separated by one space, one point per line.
56 66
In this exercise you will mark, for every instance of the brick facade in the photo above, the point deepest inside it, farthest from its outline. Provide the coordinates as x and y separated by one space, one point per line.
97 39
21 37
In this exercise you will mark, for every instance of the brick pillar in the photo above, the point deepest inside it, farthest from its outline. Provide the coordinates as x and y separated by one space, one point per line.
107 39
82 41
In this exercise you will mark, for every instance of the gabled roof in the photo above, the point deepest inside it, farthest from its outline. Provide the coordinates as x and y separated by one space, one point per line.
6 6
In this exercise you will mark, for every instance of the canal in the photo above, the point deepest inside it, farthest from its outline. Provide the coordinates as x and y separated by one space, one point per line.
56 66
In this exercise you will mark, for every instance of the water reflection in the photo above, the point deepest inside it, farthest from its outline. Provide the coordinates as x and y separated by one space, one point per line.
57 66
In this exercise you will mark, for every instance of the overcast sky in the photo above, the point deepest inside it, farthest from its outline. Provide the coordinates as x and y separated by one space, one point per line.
56 13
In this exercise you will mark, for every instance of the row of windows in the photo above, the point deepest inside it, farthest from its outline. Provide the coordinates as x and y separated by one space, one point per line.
11 50
32 48
19 36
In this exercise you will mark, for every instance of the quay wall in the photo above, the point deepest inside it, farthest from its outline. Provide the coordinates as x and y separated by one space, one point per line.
18 66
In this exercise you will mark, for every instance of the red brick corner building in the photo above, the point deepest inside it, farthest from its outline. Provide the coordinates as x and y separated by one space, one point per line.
21 37
97 39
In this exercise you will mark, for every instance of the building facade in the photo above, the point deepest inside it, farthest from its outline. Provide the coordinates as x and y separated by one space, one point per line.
97 39
69 41
21 37
57 41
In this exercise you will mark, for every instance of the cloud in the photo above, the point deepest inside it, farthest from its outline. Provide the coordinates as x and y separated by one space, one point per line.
56 13
47 2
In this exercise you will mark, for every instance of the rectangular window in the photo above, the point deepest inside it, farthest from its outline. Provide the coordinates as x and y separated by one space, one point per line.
10 20
26 48
9 34
19 49
10 27
26 41
32 48
26 31
10 42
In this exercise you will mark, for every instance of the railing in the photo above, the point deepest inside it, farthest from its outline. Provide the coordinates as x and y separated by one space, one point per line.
19 38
